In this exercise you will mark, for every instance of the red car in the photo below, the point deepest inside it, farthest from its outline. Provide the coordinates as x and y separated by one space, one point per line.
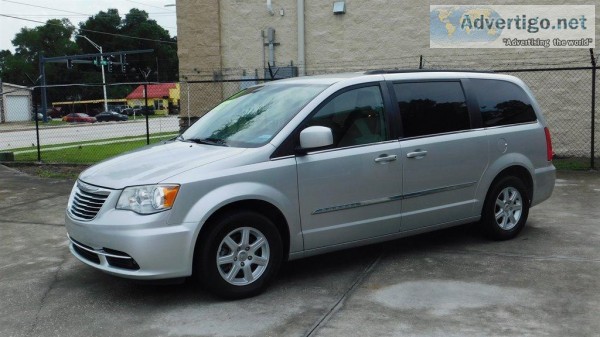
79 118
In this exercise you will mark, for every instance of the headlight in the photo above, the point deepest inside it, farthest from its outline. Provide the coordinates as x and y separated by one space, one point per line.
148 199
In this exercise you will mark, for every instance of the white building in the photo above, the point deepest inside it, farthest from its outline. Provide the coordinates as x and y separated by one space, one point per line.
15 103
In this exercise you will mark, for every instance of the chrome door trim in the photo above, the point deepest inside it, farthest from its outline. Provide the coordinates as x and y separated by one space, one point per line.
438 190
392 198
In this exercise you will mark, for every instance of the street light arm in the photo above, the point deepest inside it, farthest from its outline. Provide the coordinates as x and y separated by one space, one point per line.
101 67
92 42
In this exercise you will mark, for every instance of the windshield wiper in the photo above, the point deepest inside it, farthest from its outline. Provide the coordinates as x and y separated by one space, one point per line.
208 141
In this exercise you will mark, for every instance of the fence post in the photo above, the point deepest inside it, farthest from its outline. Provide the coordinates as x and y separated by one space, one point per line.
593 126
188 105
146 113
421 62
37 129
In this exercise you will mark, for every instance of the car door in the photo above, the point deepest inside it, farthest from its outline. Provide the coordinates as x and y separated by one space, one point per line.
351 191
443 157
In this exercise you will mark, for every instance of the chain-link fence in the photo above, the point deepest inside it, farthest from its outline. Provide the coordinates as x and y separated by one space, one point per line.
564 94
87 131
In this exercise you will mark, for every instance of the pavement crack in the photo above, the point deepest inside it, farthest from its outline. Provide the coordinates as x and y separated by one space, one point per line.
336 307
46 293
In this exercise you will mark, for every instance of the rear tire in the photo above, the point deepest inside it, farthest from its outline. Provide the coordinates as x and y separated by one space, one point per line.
506 209
239 255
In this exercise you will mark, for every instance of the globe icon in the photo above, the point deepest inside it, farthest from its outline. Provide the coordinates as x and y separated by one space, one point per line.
463 24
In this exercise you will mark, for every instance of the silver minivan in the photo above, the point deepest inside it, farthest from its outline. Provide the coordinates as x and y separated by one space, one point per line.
309 165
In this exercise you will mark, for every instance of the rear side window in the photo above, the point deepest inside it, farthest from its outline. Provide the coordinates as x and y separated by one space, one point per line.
502 103
429 108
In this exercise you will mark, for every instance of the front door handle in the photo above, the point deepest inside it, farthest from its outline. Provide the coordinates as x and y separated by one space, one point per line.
418 154
385 158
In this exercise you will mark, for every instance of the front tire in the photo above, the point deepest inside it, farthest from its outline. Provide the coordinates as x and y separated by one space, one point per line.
506 209
240 254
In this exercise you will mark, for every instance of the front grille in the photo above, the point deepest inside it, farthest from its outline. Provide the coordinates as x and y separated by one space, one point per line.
85 204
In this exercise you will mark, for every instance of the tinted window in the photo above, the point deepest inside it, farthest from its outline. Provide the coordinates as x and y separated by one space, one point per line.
502 103
355 117
432 107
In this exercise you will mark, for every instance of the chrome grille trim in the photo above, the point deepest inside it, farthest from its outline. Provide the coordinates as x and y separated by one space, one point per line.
99 252
87 200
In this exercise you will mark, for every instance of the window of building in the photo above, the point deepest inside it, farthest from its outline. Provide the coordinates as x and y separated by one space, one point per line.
355 117
429 108
502 103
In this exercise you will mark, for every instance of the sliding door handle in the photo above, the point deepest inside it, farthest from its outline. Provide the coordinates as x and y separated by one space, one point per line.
416 154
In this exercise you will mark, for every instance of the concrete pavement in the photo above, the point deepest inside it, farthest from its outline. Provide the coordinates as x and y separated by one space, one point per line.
546 282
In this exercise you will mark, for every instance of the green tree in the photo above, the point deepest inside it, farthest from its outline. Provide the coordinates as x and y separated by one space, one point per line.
133 32
107 29
163 63
51 39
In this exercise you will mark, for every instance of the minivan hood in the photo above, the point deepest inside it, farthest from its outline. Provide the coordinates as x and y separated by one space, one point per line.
151 165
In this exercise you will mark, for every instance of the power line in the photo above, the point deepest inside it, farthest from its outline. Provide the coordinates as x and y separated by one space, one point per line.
92 31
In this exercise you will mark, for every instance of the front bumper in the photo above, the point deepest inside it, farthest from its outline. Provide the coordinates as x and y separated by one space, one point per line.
146 248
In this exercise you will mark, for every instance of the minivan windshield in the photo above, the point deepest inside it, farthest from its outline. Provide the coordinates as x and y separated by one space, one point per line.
252 117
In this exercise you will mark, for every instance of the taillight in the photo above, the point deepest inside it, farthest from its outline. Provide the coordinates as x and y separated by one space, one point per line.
549 151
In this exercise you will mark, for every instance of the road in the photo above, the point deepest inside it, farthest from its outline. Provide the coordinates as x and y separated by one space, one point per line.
85 132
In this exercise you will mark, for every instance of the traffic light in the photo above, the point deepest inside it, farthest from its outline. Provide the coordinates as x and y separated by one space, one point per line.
110 66
123 63
69 64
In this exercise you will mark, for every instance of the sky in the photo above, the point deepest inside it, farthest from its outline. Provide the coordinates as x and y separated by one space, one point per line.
76 11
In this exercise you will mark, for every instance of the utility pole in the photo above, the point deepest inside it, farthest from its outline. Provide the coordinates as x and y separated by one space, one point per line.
102 66
146 74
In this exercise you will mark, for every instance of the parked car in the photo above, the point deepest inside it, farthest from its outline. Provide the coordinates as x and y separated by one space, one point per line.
127 111
142 110
309 165
79 118
117 108
107 116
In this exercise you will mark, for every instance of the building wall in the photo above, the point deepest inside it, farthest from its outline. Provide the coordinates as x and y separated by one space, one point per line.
199 26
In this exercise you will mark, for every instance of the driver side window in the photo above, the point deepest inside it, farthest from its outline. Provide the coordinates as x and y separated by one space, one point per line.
355 117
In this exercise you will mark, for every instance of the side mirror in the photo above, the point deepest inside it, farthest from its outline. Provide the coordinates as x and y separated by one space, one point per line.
315 137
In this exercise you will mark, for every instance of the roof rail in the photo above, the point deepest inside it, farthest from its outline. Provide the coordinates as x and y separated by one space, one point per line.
401 71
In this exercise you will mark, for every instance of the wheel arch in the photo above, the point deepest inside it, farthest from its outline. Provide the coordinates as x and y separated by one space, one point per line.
519 172
253 205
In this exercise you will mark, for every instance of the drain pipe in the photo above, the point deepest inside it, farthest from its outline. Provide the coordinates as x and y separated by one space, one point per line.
301 54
